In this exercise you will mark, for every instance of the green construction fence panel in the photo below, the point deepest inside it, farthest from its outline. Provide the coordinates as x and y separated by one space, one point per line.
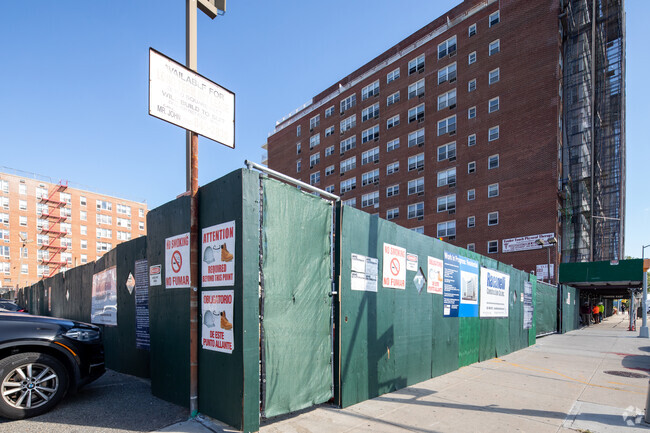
297 303
546 309
169 309
229 379
570 306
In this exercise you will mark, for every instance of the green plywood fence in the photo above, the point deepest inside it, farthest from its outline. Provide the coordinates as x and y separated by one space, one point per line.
546 308
169 309
296 269
393 338
570 305
229 386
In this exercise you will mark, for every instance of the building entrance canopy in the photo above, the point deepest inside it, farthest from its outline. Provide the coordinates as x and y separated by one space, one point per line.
611 279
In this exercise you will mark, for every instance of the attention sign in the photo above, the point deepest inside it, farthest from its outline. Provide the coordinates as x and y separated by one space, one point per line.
184 98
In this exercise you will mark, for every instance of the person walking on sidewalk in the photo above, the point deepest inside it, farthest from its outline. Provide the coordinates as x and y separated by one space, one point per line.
595 312
601 310
584 314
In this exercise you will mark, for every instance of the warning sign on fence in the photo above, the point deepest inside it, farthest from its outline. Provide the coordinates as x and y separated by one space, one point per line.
394 267
218 255
177 261
217 311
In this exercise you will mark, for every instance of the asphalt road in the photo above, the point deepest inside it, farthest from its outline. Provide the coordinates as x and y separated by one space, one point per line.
113 403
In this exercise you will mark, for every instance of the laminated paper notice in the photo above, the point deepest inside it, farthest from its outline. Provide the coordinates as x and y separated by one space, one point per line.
217 328
364 271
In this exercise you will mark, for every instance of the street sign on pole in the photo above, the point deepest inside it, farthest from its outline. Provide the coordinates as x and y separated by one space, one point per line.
185 98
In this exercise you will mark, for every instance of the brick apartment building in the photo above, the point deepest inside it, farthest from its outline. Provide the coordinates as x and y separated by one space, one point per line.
490 123
47 227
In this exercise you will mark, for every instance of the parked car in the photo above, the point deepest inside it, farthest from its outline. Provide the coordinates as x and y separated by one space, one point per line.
6 305
42 359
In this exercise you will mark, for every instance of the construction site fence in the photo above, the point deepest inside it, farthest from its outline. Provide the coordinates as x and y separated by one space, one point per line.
307 299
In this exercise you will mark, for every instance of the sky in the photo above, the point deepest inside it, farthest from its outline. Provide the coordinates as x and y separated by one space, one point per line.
74 85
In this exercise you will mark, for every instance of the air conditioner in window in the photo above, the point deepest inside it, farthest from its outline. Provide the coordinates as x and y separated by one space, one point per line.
451 238
451 184
452 106
452 212
376 138
376 182
420 218
420 144
420 170
452 133
452 158
420 194
452 80
421 95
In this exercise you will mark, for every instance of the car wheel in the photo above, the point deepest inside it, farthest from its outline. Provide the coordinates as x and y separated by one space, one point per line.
30 384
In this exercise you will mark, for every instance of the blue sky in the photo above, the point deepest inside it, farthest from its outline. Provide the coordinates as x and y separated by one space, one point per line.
74 85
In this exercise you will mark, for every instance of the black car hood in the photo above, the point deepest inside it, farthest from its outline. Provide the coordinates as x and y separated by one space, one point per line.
64 323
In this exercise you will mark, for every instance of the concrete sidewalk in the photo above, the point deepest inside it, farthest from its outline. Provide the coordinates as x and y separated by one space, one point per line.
594 379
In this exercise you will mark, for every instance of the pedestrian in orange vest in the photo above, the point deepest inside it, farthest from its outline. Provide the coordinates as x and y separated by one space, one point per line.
596 312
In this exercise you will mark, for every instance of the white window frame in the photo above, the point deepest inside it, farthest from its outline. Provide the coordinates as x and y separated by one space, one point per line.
471 85
392 190
371 89
393 98
491 158
493 190
329 131
415 210
392 213
392 145
471 58
416 186
416 162
348 102
446 203
448 73
471 140
392 75
494 105
494 76
495 18
392 122
447 47
370 112
416 89
494 47
490 219
447 99
471 194
416 65
471 30
471 167
447 125
471 112
314 178
348 144
494 133
392 168
370 134
369 156
446 229
446 151
446 177
416 138
471 221
416 114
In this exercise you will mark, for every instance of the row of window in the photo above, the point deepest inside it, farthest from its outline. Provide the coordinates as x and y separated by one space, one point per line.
415 114
101 219
416 65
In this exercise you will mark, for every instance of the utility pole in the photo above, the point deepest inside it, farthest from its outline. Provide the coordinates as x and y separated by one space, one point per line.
211 9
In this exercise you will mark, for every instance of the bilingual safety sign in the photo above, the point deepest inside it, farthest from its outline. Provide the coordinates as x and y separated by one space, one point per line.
217 311
177 261
394 276
218 255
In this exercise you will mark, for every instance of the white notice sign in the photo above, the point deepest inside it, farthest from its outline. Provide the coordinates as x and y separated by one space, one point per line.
177 261
363 275
218 255
217 329
394 267
411 262
180 96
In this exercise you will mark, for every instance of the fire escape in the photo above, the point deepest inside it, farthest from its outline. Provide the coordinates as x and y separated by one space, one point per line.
53 217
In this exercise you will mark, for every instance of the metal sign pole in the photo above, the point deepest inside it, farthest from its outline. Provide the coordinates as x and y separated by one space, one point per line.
192 185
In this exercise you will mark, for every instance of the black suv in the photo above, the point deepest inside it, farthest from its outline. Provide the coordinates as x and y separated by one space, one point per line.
43 358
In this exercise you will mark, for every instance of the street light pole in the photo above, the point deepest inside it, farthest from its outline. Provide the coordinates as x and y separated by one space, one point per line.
643 333
549 242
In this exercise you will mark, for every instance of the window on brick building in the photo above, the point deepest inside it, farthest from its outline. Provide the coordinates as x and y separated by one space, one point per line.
495 47
445 229
447 47
471 247
471 140
493 190
471 86
494 76
471 31
448 73
471 58
471 167
471 221
493 105
493 247
392 75
493 218
416 65
495 18
493 162
447 99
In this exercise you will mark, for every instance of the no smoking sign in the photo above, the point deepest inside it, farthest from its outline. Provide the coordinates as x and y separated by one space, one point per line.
394 275
177 258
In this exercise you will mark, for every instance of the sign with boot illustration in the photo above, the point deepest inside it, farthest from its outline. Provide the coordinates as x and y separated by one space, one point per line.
217 319
218 255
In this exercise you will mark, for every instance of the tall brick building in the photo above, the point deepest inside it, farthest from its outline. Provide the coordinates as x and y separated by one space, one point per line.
47 227
499 120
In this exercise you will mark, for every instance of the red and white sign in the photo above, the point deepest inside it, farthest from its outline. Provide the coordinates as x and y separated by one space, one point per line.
434 282
154 275
177 261
217 316
394 276
411 262
218 255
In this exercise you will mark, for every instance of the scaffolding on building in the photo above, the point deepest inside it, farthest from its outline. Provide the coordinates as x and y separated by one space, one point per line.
593 136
